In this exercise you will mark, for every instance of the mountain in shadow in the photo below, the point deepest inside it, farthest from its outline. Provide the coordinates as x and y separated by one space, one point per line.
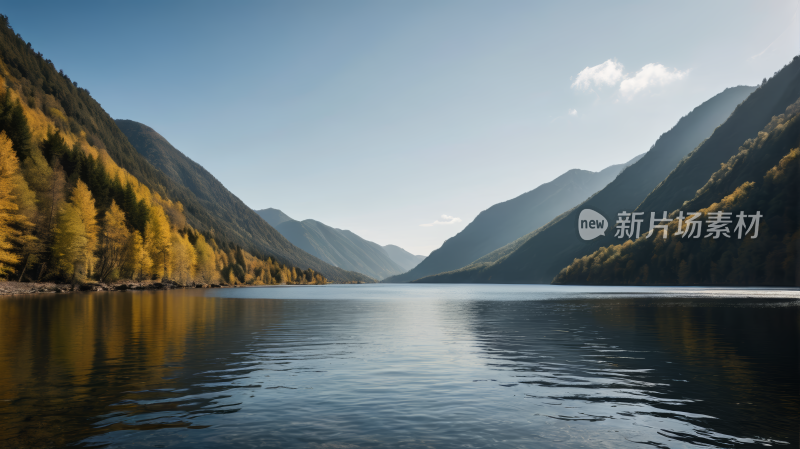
508 221
212 205
539 256
769 100
760 180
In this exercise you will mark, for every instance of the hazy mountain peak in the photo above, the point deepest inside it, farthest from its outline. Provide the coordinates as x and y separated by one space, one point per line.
338 247
401 257
273 216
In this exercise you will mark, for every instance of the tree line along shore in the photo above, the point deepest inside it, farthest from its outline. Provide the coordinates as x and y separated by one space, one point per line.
70 215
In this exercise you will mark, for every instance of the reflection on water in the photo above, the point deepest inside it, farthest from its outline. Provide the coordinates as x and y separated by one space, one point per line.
414 366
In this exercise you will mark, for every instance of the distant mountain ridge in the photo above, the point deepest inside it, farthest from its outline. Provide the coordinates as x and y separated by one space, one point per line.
401 257
510 220
205 195
338 247
540 256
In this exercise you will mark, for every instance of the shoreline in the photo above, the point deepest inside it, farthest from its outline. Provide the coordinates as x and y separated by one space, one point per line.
11 288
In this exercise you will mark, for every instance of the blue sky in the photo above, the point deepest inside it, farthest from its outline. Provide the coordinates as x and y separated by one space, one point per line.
380 117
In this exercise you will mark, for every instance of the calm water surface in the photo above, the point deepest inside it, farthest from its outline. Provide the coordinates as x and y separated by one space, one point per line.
402 366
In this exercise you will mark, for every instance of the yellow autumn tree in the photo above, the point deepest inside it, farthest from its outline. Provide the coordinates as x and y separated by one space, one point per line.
268 276
221 260
9 168
83 201
28 214
37 171
114 238
158 241
49 185
138 262
182 258
70 243
24 197
284 275
206 264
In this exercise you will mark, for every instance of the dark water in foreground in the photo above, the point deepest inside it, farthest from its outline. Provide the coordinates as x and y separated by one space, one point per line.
402 366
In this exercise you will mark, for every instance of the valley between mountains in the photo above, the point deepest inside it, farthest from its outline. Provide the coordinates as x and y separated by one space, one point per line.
86 197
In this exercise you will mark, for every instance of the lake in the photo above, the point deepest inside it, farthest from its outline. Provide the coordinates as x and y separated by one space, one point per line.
402 366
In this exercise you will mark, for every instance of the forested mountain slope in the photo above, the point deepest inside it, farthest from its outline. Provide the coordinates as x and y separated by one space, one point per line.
69 211
505 222
73 110
227 211
538 257
770 99
761 179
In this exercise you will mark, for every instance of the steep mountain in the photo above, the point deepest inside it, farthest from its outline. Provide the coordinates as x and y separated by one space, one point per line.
507 221
338 247
74 110
76 175
760 179
538 257
209 205
753 159
769 100
401 257
273 216
233 218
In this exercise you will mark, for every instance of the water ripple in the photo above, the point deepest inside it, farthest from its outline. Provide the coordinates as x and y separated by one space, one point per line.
481 366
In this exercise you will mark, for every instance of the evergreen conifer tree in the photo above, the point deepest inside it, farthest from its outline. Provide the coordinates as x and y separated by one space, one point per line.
55 146
14 123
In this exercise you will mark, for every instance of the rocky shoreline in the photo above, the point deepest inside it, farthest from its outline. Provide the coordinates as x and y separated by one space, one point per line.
8 288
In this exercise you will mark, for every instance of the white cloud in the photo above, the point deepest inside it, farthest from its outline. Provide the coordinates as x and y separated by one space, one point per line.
573 112
650 75
446 220
608 73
